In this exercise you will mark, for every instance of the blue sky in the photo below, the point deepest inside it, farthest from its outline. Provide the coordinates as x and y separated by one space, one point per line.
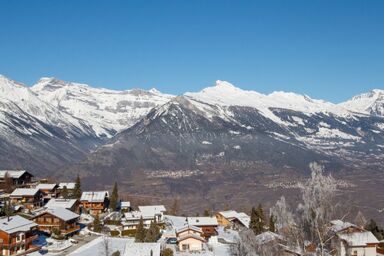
326 49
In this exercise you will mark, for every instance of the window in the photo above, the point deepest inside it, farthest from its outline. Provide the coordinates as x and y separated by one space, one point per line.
56 220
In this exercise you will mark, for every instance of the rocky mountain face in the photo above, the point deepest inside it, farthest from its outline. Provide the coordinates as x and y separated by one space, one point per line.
55 123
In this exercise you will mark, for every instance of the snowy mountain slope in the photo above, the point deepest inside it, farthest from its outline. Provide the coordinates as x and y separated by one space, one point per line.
106 111
368 103
229 127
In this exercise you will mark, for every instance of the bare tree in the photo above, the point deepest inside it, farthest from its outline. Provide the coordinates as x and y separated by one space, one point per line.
245 244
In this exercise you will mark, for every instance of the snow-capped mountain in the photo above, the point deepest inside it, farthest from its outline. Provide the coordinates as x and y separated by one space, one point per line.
227 126
106 111
55 123
369 103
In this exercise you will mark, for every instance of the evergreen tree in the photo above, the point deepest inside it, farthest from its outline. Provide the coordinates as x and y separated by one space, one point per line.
8 209
207 213
140 232
64 192
77 190
257 220
97 224
376 231
113 203
272 223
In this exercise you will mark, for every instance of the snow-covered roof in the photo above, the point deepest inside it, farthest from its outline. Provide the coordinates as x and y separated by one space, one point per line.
16 224
187 236
15 174
125 204
189 227
151 210
339 225
229 214
358 238
61 213
267 237
202 221
94 196
24 192
242 217
133 215
142 249
46 186
69 185
61 202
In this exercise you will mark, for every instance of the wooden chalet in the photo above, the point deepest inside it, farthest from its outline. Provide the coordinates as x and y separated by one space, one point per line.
30 198
208 225
61 219
49 190
16 236
19 177
94 202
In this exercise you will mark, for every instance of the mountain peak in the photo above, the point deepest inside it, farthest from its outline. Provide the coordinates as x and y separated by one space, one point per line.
225 84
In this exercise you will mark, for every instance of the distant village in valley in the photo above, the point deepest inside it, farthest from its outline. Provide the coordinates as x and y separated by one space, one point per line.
40 217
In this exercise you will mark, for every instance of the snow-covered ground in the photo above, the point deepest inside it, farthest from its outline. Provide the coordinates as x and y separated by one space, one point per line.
100 245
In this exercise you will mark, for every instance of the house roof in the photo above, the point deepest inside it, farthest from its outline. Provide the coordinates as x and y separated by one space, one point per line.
94 196
187 236
24 192
46 186
151 210
339 225
61 202
202 221
242 217
69 185
358 238
16 224
267 237
189 227
125 204
12 173
61 213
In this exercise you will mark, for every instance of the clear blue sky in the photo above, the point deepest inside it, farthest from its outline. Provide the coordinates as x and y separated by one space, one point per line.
326 49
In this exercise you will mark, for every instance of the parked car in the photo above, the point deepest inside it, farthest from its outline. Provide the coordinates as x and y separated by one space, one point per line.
171 240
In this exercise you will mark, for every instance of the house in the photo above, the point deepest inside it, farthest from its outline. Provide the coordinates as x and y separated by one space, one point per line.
30 198
19 177
94 202
16 235
233 219
207 224
69 204
148 213
125 206
57 218
49 190
190 238
69 185
351 240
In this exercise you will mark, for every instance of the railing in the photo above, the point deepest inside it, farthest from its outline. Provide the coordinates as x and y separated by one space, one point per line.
71 230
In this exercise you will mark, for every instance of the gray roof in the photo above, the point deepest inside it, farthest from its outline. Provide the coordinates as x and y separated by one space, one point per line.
24 192
16 224
61 213
46 186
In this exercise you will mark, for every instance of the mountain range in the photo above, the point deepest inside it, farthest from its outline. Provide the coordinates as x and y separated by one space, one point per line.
192 142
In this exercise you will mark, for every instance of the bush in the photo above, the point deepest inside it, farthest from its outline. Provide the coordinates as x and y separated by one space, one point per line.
167 252
130 233
115 233
112 222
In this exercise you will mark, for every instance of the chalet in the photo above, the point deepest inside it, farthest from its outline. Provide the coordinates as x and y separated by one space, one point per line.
69 204
69 185
351 240
233 219
16 236
190 238
94 202
148 213
207 224
49 190
30 198
57 218
19 177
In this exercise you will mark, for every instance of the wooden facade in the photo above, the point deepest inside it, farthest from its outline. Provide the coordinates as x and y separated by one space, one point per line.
47 222
28 201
